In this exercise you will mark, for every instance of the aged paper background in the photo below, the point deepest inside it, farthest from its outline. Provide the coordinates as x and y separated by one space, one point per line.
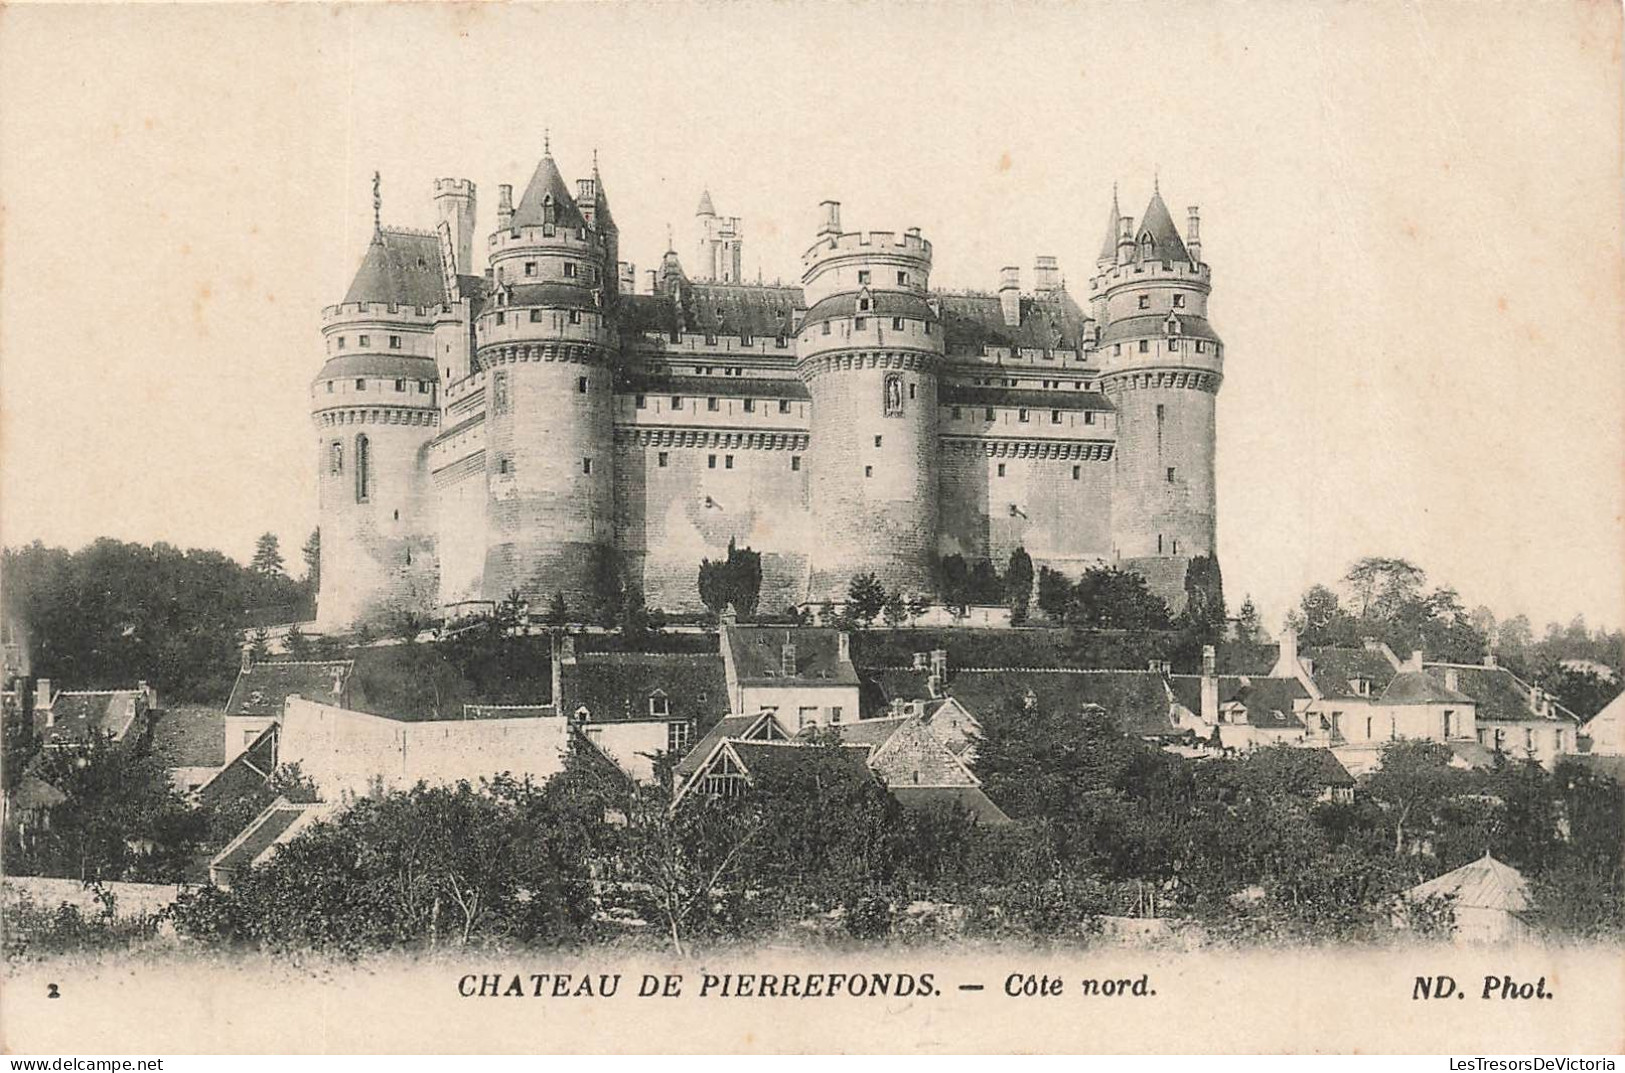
1414 212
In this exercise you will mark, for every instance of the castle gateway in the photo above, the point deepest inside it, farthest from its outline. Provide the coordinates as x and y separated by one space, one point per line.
529 424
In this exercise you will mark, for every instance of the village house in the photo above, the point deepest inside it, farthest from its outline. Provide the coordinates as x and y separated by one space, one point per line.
1514 718
73 719
1489 901
805 674
279 824
1604 733
262 688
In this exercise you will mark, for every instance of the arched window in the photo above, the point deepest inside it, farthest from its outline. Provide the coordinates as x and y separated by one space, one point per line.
363 469
335 458
1147 247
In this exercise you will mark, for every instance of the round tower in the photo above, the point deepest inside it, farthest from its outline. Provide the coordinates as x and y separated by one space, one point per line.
1162 365
374 404
545 347
870 349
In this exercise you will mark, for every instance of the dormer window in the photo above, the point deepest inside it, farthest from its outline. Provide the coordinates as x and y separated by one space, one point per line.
659 705
1148 247
864 304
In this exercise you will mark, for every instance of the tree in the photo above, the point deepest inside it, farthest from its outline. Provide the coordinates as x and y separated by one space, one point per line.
557 613
1414 778
735 581
1110 599
1018 584
1382 586
634 613
895 610
267 556
953 578
1248 629
1054 593
296 644
865 598
511 610
312 552
259 644
1204 612
984 587
1584 692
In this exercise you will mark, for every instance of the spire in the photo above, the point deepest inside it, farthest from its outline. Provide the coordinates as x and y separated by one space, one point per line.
602 219
377 205
1166 243
547 184
706 208
547 142
1108 251
671 245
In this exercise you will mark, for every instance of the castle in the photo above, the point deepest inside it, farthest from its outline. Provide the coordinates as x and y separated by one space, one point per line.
532 423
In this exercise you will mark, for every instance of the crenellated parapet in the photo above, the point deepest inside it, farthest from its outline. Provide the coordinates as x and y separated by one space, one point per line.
815 365
733 439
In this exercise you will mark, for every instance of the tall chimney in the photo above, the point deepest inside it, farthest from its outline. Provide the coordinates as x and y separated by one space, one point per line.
939 663
787 660
558 672
42 694
1288 661
1125 240
832 218
843 647
504 206
1010 295
1046 275
1210 686
1416 660
1193 235
651 280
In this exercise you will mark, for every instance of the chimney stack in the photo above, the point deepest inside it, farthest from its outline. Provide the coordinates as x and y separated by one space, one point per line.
42 694
1210 686
1489 659
1046 275
1416 660
1193 235
504 206
1125 240
832 218
1289 650
1452 681
787 660
939 663
558 672
843 647
248 659
1010 295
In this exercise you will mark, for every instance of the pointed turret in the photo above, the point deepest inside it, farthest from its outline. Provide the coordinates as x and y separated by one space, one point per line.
601 217
1108 248
547 193
1157 225
706 208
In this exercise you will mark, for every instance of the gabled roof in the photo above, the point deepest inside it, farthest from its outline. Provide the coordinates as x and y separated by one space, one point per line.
757 655
1416 687
759 727
78 716
1167 245
546 182
774 759
1270 702
764 310
1335 668
1501 696
1484 884
971 322
400 268
190 735
971 799
248 771
263 688
279 823
873 733
617 686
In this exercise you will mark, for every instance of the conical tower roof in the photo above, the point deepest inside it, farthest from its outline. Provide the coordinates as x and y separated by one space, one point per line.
706 208
400 268
1108 251
545 183
601 214
1167 245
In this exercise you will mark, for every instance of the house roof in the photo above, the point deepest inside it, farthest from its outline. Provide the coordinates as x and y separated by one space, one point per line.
1416 687
1138 700
1335 668
78 716
262 688
952 394
1500 695
740 727
190 735
33 792
774 759
1471 754
1167 245
261 834
1330 770
757 655
872 733
618 686
973 322
247 772
712 308
546 182
1261 693
969 798
400 268
1484 884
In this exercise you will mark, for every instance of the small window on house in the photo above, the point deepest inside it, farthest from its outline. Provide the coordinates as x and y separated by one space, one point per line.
784 406
727 461
1089 417
863 275
641 402
897 324
911 390
1170 475
868 471
1117 348
330 387
1077 472
423 387
1001 469
530 268
365 340
902 279
400 385
710 461
1179 301
581 385
569 270
957 413
877 441
864 304
505 466
836 713
659 705
575 316
535 316
678 736
927 327
711 404
1173 344
750 406
988 414
395 342
335 458
341 342
502 318
586 466
825 327
662 459
795 463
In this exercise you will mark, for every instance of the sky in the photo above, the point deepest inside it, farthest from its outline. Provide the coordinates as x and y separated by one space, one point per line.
1412 212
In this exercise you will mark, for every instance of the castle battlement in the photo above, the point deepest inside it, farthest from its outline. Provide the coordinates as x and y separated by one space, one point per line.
453 188
1147 271
586 240
910 243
